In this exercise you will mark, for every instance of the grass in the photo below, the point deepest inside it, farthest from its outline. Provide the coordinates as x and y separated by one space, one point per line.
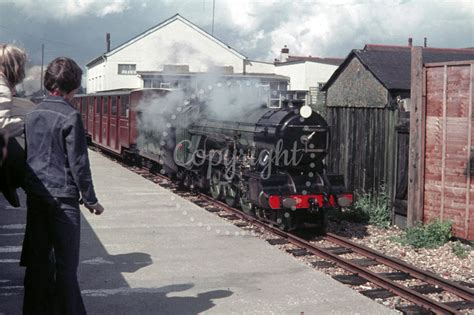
431 235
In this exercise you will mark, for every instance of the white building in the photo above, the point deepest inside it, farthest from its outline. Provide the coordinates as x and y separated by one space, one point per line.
175 45
307 74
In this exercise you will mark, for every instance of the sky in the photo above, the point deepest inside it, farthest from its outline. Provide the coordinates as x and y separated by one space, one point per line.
256 28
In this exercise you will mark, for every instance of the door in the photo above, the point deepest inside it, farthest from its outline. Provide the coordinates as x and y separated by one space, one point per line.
97 119
105 121
124 123
113 124
90 116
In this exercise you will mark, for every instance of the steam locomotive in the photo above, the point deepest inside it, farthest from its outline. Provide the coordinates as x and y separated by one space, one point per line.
268 161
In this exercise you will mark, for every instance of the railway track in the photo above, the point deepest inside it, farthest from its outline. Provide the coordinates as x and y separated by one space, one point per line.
359 269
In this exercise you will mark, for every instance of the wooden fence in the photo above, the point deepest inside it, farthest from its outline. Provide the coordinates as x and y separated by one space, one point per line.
441 144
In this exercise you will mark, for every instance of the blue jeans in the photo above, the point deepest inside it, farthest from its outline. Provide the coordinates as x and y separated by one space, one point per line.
51 255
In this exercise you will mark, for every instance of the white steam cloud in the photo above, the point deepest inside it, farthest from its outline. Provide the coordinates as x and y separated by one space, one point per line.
31 83
156 115
218 97
230 99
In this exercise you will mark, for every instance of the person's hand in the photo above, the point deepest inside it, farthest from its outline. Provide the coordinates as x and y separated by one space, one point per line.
96 208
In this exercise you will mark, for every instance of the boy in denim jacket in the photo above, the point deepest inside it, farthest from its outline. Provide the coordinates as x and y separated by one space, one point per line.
57 176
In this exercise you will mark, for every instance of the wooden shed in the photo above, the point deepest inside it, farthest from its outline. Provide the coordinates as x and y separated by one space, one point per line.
368 109
442 142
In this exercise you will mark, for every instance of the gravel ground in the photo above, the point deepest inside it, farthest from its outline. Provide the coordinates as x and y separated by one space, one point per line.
441 261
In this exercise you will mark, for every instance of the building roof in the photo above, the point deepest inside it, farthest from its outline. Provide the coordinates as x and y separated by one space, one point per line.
265 76
391 65
174 18
301 59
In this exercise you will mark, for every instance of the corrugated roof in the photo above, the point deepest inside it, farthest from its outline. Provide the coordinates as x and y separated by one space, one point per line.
391 65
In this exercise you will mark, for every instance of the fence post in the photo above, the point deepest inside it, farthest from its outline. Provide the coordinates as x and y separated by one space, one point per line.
417 139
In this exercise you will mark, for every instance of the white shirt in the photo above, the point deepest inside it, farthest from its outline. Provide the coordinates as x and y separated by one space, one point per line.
12 110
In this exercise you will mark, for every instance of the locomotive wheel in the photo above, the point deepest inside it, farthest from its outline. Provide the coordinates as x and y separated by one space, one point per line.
245 204
231 195
215 186
187 180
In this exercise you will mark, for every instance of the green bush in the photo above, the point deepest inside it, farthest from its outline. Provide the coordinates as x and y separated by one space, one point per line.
430 235
374 210
460 250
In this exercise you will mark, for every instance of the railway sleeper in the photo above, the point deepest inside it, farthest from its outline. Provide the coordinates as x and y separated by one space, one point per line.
339 250
354 279
461 305
213 209
350 279
277 241
413 310
383 293
323 264
297 252
364 262
466 284
201 203
231 217
398 275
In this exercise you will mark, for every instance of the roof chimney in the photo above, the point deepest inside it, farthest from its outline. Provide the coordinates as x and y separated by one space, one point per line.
425 42
410 41
285 52
107 41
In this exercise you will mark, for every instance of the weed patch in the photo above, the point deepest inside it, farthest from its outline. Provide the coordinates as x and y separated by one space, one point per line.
369 209
430 235
460 250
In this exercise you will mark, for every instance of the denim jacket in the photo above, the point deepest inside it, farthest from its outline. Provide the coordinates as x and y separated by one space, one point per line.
57 159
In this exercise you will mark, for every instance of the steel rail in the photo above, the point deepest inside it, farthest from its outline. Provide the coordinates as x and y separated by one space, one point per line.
377 279
429 277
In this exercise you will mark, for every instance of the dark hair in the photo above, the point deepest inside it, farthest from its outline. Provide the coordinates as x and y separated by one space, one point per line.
62 74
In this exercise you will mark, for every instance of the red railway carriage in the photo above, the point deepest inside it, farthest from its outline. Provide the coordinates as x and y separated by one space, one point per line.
110 117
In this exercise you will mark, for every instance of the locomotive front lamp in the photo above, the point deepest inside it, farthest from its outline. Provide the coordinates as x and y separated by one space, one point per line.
305 111
289 203
344 200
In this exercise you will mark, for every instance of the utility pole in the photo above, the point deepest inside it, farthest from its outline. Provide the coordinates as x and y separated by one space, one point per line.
213 11
42 62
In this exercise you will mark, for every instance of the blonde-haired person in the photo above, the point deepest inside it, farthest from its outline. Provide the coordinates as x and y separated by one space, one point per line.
12 73
12 115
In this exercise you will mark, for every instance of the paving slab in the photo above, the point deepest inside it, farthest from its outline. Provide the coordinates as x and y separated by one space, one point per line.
152 252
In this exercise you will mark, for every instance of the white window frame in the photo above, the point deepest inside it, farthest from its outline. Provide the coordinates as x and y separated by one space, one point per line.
127 69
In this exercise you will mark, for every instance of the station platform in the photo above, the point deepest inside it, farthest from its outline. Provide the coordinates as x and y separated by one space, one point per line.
152 252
